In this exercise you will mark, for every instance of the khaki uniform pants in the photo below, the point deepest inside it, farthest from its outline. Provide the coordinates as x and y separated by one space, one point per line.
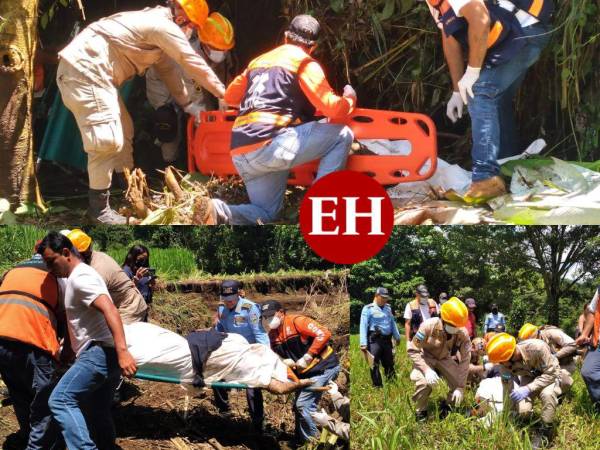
105 125
548 396
446 368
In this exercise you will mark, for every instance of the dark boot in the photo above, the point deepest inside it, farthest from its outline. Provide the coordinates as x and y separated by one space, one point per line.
542 437
444 409
99 209
421 416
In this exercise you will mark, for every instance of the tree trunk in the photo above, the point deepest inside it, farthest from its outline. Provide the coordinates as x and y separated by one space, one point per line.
18 36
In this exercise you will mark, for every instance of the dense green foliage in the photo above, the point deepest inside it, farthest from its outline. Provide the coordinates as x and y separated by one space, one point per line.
180 249
383 419
490 264
390 50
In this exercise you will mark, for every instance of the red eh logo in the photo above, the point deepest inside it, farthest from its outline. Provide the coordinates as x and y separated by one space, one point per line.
346 217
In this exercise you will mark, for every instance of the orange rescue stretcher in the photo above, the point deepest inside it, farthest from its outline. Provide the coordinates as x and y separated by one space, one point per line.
209 146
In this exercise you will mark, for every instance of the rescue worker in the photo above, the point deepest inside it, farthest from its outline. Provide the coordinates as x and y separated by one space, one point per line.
239 315
304 345
126 297
420 309
31 323
539 374
105 55
377 329
480 367
472 323
500 41
213 41
276 129
590 371
97 339
441 347
561 345
493 320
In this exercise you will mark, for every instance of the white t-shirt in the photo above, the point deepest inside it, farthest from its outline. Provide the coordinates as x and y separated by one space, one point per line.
86 323
523 17
424 311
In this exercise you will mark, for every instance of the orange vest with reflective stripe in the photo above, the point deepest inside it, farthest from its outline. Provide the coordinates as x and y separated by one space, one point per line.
596 339
273 99
28 302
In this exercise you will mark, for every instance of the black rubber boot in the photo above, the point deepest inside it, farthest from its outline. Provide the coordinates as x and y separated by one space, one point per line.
542 437
421 416
99 209
445 409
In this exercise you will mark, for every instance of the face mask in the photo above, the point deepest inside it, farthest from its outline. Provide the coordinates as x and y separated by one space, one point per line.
216 56
450 329
275 322
423 299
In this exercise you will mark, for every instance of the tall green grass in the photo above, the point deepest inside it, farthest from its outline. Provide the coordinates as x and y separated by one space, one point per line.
383 419
170 263
16 244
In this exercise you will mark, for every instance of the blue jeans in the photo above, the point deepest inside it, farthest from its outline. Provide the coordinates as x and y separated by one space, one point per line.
306 403
590 372
89 384
491 110
27 372
265 171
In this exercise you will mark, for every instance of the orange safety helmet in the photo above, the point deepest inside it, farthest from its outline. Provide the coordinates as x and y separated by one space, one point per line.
196 10
455 312
79 239
527 331
217 32
501 347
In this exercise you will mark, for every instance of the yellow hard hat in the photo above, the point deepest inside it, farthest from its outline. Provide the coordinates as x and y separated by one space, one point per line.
196 10
455 312
80 240
501 347
527 331
217 32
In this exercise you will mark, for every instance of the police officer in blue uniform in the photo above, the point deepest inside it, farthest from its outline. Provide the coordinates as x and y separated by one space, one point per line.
377 328
236 314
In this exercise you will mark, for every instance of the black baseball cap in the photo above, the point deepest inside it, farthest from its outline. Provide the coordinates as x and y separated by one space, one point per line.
229 290
383 292
270 307
304 28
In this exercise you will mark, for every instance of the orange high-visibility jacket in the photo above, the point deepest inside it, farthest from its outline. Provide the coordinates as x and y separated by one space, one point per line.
28 303
278 89
299 335
596 336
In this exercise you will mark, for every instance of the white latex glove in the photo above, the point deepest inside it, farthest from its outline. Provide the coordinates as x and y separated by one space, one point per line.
194 110
454 109
431 377
488 366
457 396
349 92
303 362
223 105
485 359
321 418
333 388
465 84
289 362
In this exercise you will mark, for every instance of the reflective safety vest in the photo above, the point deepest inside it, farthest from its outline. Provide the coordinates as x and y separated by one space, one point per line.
417 318
273 99
503 43
28 303
596 335
540 9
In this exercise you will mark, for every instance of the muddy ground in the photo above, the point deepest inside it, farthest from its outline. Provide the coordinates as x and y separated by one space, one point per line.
152 416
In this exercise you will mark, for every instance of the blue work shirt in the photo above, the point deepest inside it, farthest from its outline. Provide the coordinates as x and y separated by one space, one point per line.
374 316
491 320
243 319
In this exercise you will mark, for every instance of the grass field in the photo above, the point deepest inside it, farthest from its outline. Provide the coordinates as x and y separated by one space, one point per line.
384 419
